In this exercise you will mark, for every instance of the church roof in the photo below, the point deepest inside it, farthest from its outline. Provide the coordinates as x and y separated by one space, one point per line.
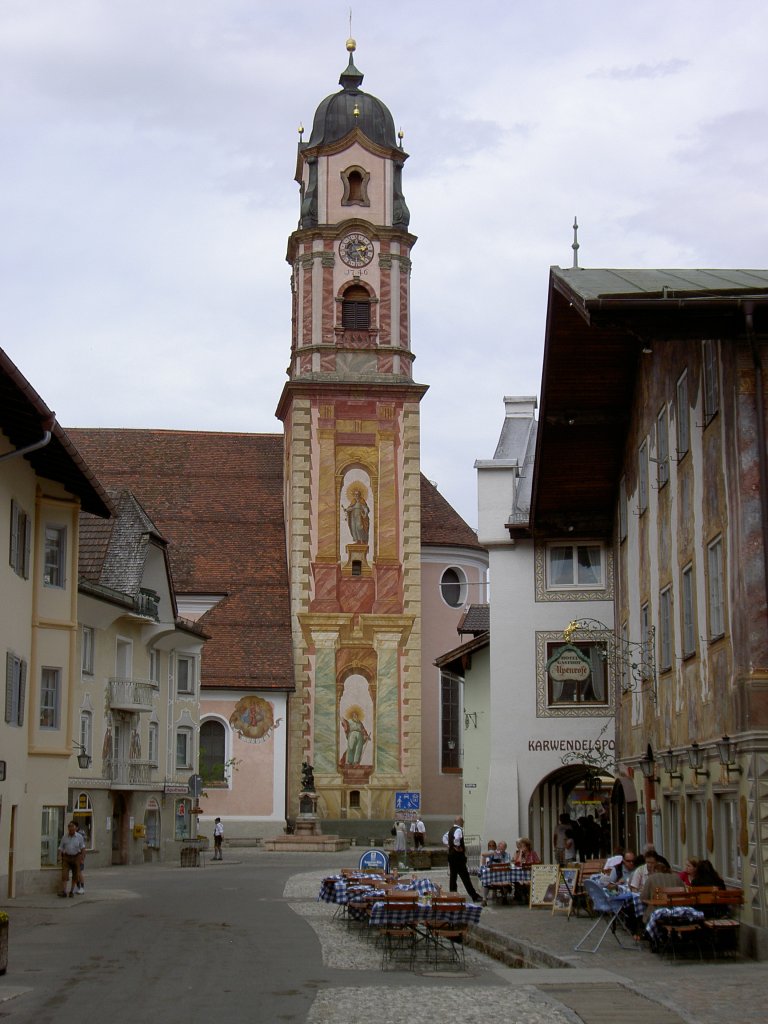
217 499
441 524
341 112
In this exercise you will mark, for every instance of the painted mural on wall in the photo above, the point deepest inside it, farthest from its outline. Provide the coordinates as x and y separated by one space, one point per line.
356 516
355 729
254 719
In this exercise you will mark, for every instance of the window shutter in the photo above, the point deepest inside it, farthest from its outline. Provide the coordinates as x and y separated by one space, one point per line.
9 688
22 689
27 544
14 551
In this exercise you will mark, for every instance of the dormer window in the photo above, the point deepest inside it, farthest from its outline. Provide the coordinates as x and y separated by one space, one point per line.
355 181
356 309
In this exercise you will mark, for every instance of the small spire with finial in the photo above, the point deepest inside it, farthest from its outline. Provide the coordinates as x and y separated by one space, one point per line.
575 245
400 136
301 132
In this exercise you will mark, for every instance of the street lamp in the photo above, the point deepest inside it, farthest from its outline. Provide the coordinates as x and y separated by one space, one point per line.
83 758
725 750
696 760
670 760
647 766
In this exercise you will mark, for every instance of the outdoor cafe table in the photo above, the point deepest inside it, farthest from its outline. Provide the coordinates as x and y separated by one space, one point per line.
663 915
385 915
340 888
503 875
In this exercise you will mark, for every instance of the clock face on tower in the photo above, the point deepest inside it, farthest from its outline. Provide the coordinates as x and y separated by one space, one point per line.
356 250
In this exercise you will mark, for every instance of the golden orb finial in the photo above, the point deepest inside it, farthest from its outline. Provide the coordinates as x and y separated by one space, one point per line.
351 45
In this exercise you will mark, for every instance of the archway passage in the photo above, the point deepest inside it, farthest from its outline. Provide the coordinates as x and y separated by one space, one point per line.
595 800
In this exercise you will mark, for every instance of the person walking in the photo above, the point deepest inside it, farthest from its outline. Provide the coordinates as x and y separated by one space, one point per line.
218 835
70 848
457 861
400 844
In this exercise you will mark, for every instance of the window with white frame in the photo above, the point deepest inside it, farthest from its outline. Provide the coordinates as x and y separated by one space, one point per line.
711 384
50 697
453 587
183 747
185 674
715 588
88 641
51 831
665 629
642 477
575 567
86 732
688 611
213 753
21 539
54 561
662 448
15 687
728 852
683 416
622 509
153 748
576 673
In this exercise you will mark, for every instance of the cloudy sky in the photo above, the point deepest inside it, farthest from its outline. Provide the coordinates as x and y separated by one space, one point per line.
147 193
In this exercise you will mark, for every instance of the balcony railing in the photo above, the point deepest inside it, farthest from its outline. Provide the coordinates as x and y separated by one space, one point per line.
129 773
131 695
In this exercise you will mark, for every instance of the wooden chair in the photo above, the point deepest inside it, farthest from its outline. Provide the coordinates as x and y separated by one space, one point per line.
723 927
499 890
446 938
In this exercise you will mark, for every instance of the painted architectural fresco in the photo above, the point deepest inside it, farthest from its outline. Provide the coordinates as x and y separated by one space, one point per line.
253 719
356 729
356 531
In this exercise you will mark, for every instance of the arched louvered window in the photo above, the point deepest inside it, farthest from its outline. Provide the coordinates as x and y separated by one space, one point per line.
356 309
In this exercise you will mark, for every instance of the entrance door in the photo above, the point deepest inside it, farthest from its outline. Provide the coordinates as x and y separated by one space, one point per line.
119 826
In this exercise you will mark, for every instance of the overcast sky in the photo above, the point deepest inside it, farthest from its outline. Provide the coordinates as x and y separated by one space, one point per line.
147 192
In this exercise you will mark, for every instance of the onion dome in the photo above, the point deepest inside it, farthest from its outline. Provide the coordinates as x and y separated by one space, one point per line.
352 108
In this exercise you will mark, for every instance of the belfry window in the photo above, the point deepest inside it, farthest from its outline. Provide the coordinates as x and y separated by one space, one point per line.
355 182
356 309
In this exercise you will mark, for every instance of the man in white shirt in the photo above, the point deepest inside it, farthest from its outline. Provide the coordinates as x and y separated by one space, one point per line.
418 829
70 849
218 836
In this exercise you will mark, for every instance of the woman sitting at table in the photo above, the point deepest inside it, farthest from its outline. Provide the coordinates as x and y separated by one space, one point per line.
490 853
705 875
689 871
525 855
662 878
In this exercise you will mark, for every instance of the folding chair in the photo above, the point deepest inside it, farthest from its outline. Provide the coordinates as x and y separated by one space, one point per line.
608 908
446 936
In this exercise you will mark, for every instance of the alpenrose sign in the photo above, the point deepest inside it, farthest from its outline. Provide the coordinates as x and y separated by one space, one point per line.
579 746
568 663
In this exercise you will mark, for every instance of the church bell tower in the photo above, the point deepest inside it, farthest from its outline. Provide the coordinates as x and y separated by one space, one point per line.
350 410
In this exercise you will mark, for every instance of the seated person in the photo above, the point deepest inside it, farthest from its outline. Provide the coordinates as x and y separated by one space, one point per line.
502 854
662 878
490 853
645 867
689 871
525 855
618 869
704 875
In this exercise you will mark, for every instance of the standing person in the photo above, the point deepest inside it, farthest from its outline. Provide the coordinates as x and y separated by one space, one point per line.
80 891
457 860
558 838
418 831
218 836
400 843
70 848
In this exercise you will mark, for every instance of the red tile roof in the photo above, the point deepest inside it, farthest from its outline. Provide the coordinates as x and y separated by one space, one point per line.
441 524
217 499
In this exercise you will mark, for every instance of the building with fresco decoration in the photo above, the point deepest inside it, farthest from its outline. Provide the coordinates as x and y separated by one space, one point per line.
652 437
327 572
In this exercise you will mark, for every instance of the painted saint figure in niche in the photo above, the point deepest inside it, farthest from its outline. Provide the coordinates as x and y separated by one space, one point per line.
358 514
357 736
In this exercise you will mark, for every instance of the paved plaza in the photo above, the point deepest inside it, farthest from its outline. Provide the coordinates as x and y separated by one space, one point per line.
279 953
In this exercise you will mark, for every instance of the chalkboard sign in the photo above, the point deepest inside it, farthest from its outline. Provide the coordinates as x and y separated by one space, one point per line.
566 887
543 885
